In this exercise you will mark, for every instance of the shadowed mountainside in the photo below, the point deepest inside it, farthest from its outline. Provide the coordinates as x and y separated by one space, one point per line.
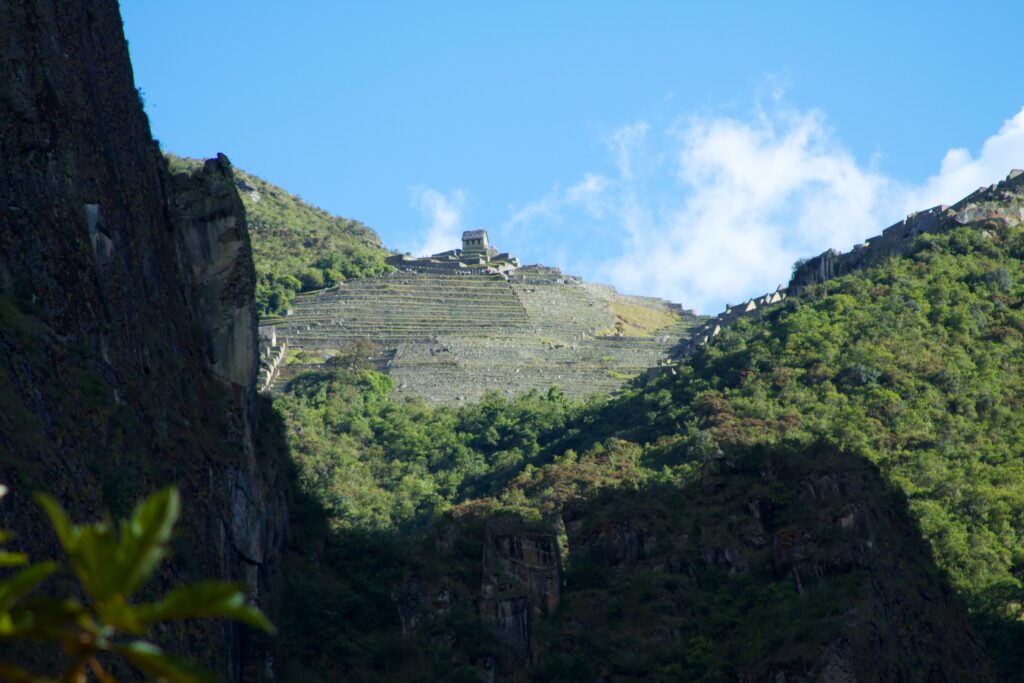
127 322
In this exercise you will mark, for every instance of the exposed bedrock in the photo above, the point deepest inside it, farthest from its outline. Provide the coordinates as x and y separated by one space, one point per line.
127 336
212 220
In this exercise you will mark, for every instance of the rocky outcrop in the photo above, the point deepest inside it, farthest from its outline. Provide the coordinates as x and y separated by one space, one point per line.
499 571
522 581
212 223
777 564
127 336
997 206
793 563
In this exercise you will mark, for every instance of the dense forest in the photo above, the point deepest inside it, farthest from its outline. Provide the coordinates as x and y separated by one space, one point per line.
909 370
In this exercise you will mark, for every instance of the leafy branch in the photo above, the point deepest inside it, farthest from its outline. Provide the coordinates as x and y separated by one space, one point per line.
111 562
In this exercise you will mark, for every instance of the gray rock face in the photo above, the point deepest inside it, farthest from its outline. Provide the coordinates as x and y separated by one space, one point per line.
212 221
519 568
520 584
127 337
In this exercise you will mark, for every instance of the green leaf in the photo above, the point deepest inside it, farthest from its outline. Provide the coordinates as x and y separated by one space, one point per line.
60 521
144 538
23 583
108 565
42 619
206 599
12 559
153 661
95 559
121 615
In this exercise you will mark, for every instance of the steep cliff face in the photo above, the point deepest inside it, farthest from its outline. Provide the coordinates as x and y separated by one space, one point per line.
522 582
127 332
212 222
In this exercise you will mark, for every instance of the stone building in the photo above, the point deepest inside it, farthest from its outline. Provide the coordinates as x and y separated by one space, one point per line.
475 241
477 255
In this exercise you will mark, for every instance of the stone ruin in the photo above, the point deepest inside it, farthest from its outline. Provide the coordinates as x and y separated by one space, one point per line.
450 337
989 208
713 326
454 325
475 257
271 354
993 207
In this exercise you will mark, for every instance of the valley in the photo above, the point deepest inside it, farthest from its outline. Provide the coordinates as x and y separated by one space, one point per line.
464 468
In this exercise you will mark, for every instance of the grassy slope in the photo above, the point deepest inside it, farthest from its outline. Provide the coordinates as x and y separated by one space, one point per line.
633 320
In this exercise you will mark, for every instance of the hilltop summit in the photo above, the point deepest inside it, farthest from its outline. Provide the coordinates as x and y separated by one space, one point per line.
476 256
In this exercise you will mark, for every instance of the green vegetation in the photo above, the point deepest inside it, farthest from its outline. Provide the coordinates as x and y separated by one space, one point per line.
296 246
111 564
912 366
377 463
632 320
916 365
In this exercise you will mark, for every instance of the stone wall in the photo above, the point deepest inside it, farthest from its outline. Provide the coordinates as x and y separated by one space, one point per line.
271 358
995 206
713 326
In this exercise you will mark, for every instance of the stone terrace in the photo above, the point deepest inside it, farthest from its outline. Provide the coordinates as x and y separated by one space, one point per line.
450 338
402 307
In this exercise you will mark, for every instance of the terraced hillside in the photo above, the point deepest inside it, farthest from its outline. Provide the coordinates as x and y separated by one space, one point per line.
450 338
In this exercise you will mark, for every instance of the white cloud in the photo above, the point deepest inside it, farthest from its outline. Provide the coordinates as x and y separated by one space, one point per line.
961 174
547 208
725 206
445 216
589 193
624 142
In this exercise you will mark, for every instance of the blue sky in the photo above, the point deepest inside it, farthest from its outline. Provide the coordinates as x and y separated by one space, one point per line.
685 150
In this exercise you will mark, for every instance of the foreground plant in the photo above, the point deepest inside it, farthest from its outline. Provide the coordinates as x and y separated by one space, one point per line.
111 563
